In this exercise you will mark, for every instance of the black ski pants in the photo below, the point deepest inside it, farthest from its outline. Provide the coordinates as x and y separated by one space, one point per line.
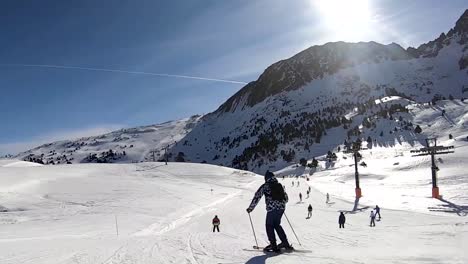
273 223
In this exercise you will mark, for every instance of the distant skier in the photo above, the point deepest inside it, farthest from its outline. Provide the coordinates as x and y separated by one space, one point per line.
309 211
377 211
216 223
297 183
309 189
307 195
275 199
292 184
300 197
341 220
372 218
328 198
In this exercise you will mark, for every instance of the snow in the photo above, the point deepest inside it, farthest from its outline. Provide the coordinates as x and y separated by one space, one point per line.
17 163
137 143
68 214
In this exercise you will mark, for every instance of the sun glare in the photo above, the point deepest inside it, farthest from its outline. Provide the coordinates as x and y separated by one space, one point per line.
348 20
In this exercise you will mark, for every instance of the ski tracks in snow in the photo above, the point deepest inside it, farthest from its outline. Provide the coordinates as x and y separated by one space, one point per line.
159 229
146 243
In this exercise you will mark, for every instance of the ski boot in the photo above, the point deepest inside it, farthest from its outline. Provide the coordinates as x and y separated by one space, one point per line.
272 248
286 246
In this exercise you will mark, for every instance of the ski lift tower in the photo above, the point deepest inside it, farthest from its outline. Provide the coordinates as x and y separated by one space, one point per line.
166 148
432 149
354 149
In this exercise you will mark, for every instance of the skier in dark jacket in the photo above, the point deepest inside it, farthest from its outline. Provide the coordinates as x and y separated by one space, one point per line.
275 210
377 211
216 223
342 220
309 211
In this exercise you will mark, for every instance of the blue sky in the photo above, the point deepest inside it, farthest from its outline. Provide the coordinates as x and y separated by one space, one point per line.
233 40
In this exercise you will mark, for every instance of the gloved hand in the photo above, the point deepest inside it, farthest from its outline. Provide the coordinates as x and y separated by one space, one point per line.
249 210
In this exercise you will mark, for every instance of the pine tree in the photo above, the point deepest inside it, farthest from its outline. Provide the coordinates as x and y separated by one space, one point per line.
418 129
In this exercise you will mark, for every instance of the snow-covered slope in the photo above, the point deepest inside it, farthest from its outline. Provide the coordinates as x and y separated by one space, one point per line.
155 213
392 175
121 146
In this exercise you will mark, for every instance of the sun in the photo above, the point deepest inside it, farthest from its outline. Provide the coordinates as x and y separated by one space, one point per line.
348 20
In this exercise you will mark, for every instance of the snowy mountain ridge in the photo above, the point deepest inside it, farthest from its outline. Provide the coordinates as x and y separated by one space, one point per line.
122 146
301 107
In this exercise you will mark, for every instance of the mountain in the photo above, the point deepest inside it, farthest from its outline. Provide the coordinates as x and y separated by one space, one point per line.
299 108
121 146
311 103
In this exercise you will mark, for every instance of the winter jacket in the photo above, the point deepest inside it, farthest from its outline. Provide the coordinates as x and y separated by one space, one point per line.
342 219
310 208
372 215
216 221
271 204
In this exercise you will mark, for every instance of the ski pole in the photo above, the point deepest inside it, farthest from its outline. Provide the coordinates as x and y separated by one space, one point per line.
292 229
253 230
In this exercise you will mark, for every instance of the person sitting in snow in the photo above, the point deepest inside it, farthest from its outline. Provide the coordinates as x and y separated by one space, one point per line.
216 223
275 199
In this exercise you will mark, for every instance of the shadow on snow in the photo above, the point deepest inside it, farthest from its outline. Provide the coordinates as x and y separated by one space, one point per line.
449 207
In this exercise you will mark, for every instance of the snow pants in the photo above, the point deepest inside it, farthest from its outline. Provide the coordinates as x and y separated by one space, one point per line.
309 215
372 221
378 213
341 225
215 227
273 223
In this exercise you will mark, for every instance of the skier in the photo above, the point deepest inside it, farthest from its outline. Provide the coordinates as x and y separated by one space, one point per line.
292 184
275 199
309 188
216 223
372 218
309 210
341 220
328 198
377 211
307 195
297 183
300 197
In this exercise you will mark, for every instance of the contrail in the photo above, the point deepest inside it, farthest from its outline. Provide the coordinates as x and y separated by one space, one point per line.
122 71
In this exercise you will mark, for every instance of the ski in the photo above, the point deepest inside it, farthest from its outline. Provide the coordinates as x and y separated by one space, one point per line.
255 248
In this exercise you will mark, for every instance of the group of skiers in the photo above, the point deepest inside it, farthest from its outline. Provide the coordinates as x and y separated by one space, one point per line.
276 199
374 215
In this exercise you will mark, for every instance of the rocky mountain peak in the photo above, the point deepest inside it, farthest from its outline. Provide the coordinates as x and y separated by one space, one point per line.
462 24
313 63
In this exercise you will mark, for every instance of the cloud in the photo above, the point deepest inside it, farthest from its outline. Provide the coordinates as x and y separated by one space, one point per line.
17 147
